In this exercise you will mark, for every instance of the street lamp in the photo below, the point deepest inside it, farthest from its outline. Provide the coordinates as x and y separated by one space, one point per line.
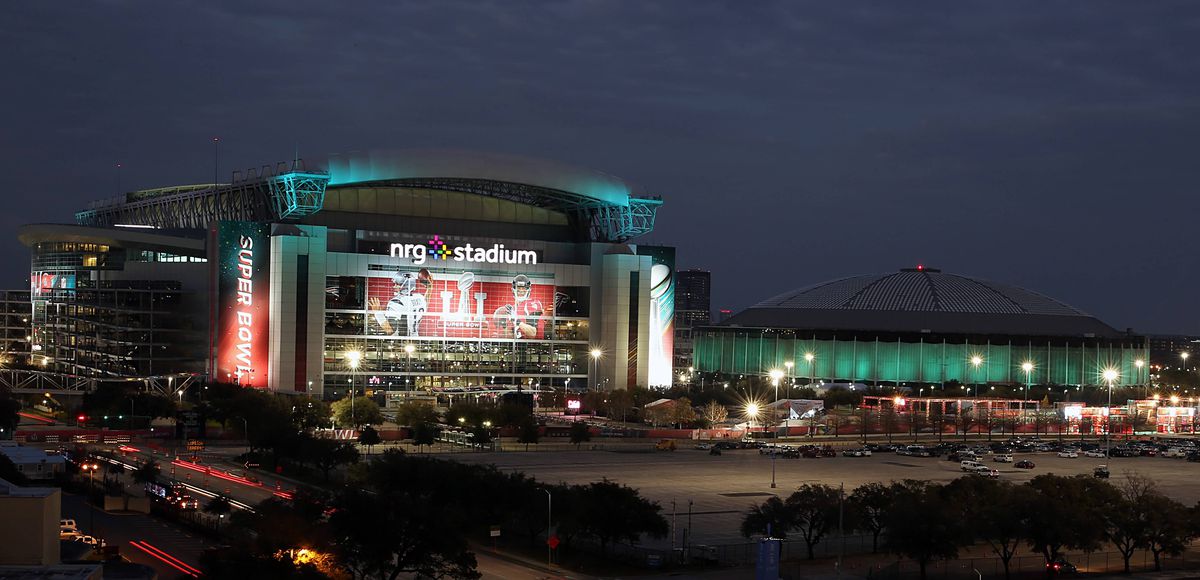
1139 363
975 362
594 362
809 358
789 364
1110 375
408 352
1028 368
353 357
1184 355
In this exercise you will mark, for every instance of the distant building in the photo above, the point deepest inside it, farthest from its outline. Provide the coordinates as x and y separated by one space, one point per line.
14 326
1166 350
693 309
32 462
29 536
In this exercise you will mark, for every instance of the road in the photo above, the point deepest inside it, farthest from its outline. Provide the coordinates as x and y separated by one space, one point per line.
153 534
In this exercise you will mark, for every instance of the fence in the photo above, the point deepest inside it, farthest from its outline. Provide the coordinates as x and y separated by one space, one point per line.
1022 566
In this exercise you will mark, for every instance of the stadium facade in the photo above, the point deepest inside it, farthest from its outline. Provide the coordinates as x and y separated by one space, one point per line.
399 271
921 326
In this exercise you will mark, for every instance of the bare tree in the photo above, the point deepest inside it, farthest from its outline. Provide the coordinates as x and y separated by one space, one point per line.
714 413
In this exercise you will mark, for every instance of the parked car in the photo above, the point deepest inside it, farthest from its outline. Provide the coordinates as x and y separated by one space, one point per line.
1059 566
714 451
1175 452
665 445
970 465
860 452
1094 453
1002 458
1024 464
1068 453
704 446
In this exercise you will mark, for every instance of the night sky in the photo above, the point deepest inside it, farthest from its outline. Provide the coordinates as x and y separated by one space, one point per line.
1051 145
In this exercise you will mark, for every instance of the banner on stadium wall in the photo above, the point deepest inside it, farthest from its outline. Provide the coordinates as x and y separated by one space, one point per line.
425 303
243 297
662 314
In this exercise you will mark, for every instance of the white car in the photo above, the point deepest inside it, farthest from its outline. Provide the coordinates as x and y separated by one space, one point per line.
704 446
66 534
90 540
1069 454
1094 453
67 524
1002 458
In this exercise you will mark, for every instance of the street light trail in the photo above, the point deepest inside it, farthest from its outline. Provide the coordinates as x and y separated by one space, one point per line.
165 558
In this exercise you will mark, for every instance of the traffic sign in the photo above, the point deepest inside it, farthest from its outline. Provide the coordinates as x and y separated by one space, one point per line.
495 531
552 542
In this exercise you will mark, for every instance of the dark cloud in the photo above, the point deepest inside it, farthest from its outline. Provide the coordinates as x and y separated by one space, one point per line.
1040 143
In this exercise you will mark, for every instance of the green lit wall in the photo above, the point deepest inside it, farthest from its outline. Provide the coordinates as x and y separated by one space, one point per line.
917 359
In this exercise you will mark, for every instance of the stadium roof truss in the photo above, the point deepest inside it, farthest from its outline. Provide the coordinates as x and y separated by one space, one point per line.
287 195
606 222
298 193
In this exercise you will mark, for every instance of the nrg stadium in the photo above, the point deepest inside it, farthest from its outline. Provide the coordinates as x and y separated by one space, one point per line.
401 271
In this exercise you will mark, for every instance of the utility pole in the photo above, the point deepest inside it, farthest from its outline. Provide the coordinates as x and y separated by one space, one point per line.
672 525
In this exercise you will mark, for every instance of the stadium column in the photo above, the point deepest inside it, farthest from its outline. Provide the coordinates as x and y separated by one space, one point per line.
298 255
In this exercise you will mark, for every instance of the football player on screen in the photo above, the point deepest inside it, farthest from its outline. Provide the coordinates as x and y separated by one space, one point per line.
404 311
521 318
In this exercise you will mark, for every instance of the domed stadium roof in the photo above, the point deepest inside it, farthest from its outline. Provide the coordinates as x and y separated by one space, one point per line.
921 300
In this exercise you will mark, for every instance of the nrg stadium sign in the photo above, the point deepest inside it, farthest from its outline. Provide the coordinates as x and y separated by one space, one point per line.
438 249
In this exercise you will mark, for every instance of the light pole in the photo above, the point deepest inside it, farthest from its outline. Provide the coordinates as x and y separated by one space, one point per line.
91 469
549 526
353 357
408 352
1028 368
1139 363
1110 374
594 362
775 375
1184 355
812 367
789 364
246 432
976 361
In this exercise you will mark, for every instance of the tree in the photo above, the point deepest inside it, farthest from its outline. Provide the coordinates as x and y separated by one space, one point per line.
814 510
772 518
423 538
867 507
1064 513
613 512
866 423
937 418
9 417
329 454
529 433
365 412
714 413
890 422
660 413
580 433
681 412
309 413
147 472
923 527
414 413
218 506
993 511
369 437
1168 527
1125 521
425 434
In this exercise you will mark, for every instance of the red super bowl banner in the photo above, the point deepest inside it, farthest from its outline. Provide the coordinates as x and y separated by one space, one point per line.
420 303
243 295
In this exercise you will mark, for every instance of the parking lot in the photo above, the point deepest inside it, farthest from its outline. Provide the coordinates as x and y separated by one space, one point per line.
722 487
